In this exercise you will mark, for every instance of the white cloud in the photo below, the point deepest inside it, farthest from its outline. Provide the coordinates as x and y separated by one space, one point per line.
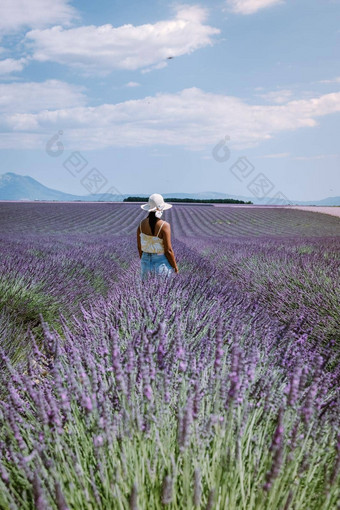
17 14
21 141
105 48
161 65
277 96
277 155
298 158
334 80
10 65
251 6
317 156
191 118
132 84
21 99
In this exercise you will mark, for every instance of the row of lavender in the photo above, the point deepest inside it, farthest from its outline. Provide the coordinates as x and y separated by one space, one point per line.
290 278
186 220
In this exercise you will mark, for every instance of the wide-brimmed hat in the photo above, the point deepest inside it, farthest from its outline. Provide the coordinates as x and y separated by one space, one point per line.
156 203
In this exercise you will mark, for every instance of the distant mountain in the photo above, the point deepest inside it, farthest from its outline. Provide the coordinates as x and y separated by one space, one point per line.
324 201
24 187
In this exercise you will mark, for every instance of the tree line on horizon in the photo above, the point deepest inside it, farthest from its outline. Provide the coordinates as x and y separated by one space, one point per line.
192 200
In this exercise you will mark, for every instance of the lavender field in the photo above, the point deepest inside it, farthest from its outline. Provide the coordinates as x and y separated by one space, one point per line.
216 389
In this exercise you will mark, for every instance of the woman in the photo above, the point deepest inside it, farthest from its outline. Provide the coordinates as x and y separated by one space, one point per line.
154 240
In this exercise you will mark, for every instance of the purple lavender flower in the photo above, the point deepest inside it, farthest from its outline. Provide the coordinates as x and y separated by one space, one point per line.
184 425
307 409
148 392
87 403
60 500
277 448
234 374
38 494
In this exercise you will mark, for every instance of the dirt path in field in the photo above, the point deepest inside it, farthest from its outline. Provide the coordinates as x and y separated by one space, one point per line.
334 211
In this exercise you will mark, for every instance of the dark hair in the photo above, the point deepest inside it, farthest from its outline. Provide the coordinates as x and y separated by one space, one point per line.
152 221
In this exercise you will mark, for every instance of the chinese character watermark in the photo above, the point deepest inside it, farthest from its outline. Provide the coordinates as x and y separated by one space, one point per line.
242 168
75 163
93 181
259 186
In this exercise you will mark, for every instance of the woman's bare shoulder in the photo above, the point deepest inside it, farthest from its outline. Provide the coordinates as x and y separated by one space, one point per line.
166 225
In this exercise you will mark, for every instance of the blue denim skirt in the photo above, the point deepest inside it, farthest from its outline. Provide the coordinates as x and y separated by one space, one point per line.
153 263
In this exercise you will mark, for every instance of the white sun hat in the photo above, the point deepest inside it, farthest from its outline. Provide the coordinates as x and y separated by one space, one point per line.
156 203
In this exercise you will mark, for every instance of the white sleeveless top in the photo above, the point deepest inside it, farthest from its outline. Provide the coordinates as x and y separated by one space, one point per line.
151 244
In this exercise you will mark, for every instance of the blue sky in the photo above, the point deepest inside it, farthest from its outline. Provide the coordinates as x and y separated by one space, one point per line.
263 73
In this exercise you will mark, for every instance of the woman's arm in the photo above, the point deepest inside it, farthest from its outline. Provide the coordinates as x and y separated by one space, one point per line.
139 246
168 251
